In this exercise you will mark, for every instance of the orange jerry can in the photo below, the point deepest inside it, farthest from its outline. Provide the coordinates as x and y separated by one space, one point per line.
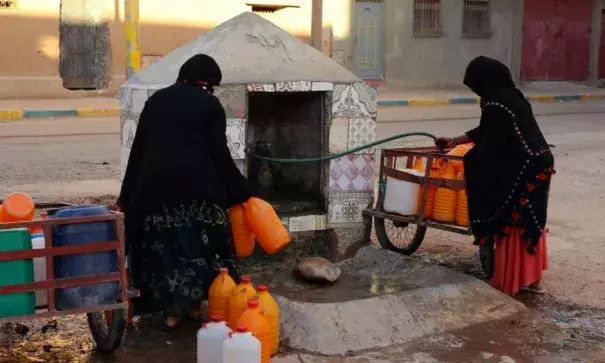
271 310
429 205
219 294
269 230
243 238
418 164
445 199
238 301
459 150
258 325
462 205
17 207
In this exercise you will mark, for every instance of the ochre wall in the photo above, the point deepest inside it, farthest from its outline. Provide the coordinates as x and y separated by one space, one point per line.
29 37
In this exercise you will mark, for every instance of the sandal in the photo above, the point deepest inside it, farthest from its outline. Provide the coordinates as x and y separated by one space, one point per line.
538 291
170 327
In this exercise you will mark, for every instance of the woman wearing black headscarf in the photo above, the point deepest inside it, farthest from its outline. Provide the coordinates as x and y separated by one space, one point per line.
179 183
508 176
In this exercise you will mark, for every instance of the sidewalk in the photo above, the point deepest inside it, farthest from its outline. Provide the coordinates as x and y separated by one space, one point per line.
90 107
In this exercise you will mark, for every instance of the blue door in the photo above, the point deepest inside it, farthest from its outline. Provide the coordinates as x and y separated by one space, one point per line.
367 62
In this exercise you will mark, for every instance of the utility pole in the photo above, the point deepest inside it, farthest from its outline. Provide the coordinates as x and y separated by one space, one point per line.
133 49
316 24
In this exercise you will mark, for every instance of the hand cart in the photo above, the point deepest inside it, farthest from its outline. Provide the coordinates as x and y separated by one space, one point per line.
107 322
404 233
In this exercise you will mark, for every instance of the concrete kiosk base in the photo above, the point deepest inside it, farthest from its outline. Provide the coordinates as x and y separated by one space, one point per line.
382 299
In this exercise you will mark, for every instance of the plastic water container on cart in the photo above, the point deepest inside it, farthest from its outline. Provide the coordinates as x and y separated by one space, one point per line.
270 309
462 205
429 204
38 242
210 340
16 272
242 347
85 264
445 199
17 207
219 294
402 196
257 323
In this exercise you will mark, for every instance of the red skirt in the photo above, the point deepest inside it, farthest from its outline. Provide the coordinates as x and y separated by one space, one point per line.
514 268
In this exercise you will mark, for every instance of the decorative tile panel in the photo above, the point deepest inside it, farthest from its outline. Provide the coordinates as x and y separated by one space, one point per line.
233 99
322 86
307 223
368 95
362 131
339 135
352 173
125 98
346 102
294 86
236 137
139 97
261 88
344 208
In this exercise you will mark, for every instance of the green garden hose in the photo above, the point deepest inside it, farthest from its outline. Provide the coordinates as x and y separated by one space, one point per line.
341 154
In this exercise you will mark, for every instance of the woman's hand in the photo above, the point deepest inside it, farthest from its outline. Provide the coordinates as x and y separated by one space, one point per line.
444 142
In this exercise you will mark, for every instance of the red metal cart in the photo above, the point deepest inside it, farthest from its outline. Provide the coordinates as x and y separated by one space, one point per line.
107 322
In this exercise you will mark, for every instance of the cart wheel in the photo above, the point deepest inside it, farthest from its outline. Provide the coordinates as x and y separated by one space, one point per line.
108 329
401 237
486 255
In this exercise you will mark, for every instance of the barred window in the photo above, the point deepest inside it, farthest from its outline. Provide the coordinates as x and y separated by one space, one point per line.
427 18
475 22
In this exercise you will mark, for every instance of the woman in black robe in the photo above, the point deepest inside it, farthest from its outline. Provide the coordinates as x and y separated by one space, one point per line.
179 183
508 176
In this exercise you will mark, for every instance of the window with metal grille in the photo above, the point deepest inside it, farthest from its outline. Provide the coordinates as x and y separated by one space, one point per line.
476 19
427 18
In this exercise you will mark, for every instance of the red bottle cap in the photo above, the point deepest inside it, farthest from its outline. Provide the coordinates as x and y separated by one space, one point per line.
223 270
241 329
262 288
253 303
216 318
245 279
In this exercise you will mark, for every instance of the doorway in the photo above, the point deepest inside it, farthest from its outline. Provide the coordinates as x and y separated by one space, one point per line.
556 40
368 30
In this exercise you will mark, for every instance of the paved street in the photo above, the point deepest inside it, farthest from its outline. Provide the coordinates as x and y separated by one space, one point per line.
80 157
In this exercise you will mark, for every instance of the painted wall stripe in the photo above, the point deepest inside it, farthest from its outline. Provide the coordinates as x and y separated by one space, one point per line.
11 114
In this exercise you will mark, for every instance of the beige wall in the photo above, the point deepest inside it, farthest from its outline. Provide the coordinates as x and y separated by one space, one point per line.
29 36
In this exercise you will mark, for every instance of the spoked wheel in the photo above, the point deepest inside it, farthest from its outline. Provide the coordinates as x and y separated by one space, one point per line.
401 237
108 329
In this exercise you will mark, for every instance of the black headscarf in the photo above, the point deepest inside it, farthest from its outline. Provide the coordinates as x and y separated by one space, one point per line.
202 70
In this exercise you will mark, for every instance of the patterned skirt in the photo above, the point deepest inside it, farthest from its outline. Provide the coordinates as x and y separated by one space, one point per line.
177 253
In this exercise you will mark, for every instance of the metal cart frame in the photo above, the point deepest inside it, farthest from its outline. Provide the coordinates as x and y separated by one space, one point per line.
107 322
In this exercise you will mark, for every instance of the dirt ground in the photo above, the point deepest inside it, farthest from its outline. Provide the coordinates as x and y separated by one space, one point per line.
566 325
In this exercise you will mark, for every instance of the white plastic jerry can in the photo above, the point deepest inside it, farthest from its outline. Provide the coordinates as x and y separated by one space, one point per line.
210 340
241 347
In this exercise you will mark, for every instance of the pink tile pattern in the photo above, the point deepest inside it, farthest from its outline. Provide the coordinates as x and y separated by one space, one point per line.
354 172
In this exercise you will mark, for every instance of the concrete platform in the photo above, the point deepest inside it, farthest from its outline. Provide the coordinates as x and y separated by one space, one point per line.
382 299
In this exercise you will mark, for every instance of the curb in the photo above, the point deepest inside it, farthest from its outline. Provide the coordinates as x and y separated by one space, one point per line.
16 114
476 100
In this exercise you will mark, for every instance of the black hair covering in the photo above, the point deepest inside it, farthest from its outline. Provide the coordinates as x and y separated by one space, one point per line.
201 69
484 75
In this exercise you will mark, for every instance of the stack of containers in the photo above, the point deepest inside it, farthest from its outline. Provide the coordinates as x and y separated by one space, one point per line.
253 309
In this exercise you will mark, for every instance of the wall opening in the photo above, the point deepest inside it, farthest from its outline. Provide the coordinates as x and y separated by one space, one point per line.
288 125
427 18
476 19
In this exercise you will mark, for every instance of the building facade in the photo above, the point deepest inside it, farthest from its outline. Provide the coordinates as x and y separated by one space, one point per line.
397 43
